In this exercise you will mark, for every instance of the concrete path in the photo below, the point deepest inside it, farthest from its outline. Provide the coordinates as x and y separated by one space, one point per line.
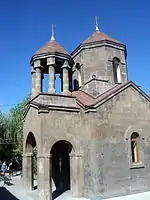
140 196
16 191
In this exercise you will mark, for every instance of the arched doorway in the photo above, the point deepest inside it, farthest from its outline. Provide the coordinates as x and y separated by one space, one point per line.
61 166
31 148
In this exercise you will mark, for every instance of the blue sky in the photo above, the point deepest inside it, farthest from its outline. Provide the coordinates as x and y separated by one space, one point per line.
26 25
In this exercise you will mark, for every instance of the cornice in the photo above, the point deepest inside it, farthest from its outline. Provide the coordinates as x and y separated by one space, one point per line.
98 44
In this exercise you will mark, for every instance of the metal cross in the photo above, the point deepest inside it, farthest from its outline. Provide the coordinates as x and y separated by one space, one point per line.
96 23
53 33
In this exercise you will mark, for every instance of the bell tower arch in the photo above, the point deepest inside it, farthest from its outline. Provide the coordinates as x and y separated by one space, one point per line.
51 59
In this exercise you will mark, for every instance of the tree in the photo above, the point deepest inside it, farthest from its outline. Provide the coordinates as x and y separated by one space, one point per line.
5 145
11 132
15 127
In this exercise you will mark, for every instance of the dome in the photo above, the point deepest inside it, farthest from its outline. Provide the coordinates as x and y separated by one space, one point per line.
51 47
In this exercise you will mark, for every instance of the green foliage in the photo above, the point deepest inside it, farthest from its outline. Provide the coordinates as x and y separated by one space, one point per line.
5 148
11 131
3 125
16 126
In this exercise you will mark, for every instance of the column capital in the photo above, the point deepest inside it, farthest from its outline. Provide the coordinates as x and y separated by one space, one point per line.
51 61
37 64
66 65
33 71
44 156
75 155
27 155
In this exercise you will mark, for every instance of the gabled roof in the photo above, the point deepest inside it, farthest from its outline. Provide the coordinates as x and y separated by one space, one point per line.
51 47
99 36
88 101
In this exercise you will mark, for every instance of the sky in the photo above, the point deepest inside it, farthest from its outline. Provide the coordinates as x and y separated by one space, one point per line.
25 26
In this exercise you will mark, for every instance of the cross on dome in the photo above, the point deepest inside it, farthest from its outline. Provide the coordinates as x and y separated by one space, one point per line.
96 23
53 33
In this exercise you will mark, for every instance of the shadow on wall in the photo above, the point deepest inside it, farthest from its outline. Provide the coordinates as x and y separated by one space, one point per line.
6 195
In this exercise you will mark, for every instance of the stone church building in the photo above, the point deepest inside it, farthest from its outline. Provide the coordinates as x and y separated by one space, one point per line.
94 137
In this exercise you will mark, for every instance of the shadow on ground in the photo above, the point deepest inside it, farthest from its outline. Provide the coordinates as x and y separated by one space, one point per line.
56 194
6 195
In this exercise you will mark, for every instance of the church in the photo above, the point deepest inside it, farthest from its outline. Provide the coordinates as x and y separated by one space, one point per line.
94 137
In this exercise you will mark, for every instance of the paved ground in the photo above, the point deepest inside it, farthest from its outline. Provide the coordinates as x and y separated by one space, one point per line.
15 191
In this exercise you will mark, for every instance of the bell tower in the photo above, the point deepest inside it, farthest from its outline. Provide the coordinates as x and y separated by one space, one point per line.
51 59
100 63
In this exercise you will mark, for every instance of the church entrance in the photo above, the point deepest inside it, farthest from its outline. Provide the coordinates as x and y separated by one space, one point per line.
61 166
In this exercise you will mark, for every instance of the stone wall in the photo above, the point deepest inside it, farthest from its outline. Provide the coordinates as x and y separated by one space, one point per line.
97 60
109 158
102 139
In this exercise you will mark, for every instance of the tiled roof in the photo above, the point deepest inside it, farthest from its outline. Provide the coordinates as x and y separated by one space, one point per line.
51 47
99 36
89 101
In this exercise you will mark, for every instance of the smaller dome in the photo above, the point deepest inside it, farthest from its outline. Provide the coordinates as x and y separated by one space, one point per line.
51 47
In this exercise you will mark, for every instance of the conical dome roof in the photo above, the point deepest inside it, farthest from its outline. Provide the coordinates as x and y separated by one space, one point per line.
99 36
51 47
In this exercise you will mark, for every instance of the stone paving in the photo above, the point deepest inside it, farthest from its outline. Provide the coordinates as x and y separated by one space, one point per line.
16 191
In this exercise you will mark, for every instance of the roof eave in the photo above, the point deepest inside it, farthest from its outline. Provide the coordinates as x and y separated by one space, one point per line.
51 54
95 44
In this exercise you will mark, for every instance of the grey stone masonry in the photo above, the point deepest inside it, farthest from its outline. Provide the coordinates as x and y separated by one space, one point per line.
38 80
65 75
83 138
51 72
27 171
33 89
44 180
51 88
96 60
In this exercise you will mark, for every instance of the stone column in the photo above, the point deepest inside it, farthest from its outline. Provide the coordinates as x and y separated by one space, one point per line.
65 78
51 71
28 170
38 81
33 74
44 177
76 174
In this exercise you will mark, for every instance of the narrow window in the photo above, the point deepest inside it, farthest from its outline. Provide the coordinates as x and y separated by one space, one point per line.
116 70
77 77
135 147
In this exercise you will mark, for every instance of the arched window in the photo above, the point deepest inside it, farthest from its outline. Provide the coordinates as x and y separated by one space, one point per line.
135 147
116 70
78 78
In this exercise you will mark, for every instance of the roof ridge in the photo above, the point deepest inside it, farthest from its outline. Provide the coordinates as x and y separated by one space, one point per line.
92 101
